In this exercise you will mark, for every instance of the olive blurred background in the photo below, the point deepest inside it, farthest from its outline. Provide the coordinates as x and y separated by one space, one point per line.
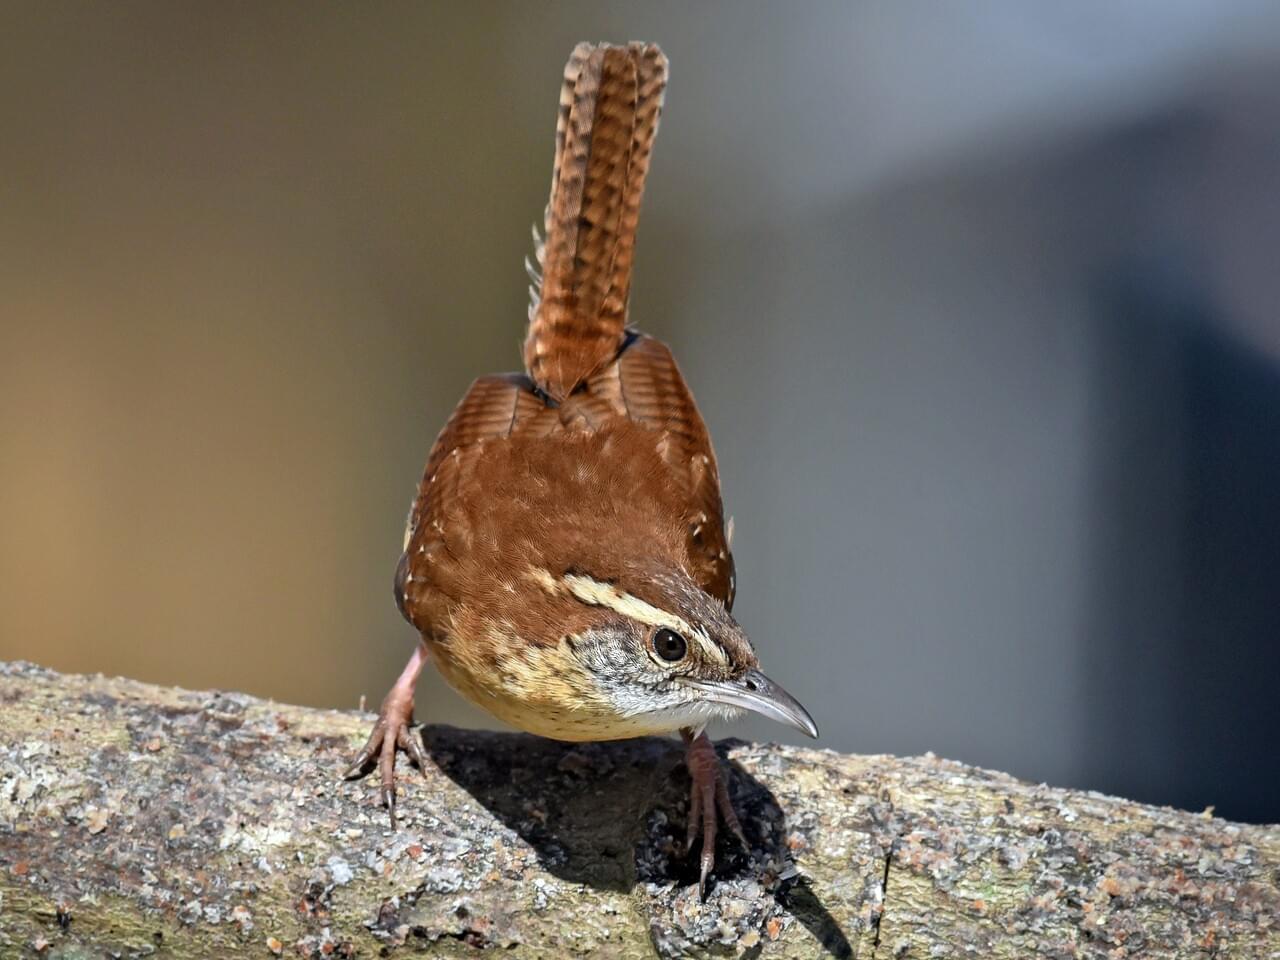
979 302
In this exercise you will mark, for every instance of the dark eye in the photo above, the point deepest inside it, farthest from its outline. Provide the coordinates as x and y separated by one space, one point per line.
669 645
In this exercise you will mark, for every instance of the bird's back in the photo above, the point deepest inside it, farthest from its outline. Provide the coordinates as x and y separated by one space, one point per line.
512 475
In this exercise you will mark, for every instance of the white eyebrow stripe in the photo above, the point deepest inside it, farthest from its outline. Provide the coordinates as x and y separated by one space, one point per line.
607 595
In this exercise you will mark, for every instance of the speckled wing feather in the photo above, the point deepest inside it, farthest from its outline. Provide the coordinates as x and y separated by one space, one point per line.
609 109
491 408
653 393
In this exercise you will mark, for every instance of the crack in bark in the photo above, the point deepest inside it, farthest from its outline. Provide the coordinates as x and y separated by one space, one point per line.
895 837
884 897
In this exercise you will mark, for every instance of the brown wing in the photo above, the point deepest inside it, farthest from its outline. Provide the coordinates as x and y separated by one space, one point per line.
492 407
644 385
653 393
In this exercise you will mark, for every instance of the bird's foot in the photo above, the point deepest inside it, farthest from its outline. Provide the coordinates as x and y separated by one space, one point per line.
393 730
708 795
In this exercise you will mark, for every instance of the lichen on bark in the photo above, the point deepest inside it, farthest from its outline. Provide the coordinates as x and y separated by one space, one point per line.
138 820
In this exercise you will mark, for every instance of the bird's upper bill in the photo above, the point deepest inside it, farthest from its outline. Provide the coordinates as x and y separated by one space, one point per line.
756 692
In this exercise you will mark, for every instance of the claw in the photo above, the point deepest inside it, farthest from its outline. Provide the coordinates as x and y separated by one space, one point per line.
725 806
392 731
366 753
408 741
389 801
708 858
387 770
708 803
695 818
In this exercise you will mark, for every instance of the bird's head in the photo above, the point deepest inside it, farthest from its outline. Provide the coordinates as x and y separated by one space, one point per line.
658 652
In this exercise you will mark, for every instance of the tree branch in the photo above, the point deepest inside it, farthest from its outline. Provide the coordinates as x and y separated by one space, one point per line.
140 820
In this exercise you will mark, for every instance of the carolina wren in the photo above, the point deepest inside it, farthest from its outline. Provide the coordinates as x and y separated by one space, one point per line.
566 559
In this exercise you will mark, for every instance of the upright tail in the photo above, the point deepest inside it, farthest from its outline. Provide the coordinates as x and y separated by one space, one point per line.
609 107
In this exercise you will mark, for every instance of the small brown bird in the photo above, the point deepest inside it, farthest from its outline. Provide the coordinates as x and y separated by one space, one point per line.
566 559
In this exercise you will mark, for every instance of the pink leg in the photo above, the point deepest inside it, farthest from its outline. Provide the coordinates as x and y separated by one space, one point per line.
392 730
708 795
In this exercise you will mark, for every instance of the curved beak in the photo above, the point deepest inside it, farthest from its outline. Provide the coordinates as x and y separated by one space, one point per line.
756 692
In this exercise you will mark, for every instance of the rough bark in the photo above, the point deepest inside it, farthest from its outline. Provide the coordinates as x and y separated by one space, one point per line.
138 820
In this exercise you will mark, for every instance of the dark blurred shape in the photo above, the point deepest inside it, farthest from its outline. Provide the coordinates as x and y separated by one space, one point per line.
1184 650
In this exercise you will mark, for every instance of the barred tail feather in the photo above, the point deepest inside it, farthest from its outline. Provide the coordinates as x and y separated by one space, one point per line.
609 109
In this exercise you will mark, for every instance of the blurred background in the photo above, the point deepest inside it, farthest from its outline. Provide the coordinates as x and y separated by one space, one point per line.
979 302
